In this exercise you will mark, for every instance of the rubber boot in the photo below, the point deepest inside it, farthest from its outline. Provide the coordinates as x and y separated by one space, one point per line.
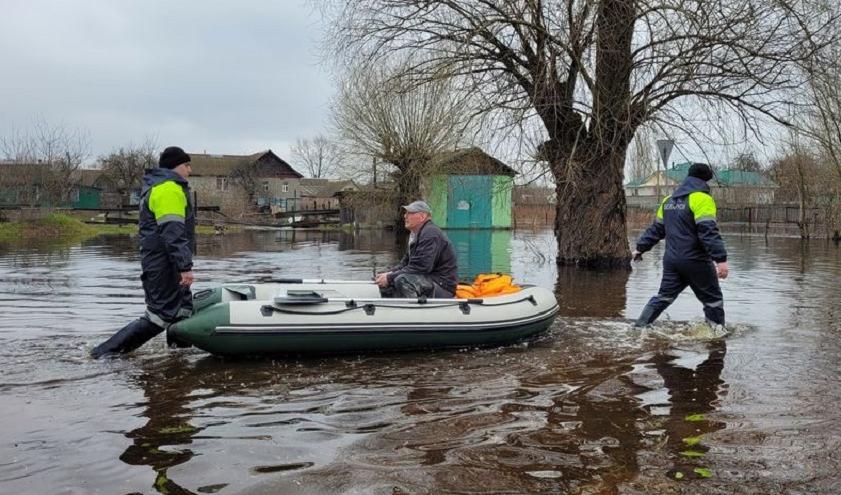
646 317
173 341
129 338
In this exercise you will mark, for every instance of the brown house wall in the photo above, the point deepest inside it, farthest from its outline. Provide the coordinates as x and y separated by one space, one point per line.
232 202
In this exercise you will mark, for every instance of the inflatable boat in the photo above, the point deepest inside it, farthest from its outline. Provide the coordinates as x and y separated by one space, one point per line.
322 316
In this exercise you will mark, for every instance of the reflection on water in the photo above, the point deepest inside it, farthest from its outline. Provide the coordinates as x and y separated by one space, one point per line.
481 251
163 442
692 379
589 407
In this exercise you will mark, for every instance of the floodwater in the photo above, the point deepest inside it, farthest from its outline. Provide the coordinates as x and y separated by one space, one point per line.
588 408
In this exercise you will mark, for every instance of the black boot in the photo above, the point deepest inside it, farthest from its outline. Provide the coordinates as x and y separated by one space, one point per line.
129 338
646 317
173 341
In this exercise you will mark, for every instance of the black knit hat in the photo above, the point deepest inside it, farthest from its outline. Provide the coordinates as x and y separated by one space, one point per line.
701 171
173 157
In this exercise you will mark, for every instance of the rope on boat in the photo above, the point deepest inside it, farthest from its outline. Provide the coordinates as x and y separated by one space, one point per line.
369 308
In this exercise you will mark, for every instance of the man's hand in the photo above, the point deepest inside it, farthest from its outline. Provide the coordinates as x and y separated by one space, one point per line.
187 278
722 269
636 255
382 279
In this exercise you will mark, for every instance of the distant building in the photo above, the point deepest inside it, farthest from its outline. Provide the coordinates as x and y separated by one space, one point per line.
469 189
728 187
238 183
27 184
738 187
322 194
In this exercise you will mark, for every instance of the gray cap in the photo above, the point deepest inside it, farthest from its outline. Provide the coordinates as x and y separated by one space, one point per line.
417 206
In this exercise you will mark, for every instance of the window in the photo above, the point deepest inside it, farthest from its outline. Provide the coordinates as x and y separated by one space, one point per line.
265 185
284 188
222 183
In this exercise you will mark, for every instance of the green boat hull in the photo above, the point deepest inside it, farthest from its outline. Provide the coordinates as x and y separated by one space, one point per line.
245 327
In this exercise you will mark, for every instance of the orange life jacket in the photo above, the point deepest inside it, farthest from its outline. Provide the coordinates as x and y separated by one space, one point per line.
487 285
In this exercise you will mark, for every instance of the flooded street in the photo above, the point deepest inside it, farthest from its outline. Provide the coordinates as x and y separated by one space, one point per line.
588 408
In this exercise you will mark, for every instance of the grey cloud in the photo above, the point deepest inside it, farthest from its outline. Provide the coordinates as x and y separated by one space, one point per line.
202 74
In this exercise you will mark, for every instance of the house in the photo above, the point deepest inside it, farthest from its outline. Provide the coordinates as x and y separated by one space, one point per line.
469 189
31 184
740 187
239 183
322 194
728 187
369 205
648 191
466 189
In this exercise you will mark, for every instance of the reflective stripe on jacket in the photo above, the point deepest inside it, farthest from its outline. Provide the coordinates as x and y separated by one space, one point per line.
687 220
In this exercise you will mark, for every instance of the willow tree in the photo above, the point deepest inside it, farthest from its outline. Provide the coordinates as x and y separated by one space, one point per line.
395 119
591 72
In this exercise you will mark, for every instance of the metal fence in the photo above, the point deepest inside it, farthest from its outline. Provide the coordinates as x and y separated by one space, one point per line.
755 214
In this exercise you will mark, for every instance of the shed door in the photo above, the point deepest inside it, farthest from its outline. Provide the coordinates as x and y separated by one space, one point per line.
469 202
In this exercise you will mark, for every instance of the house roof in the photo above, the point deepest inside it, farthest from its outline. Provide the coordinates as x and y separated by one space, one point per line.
15 174
22 173
470 161
744 178
672 176
209 165
88 176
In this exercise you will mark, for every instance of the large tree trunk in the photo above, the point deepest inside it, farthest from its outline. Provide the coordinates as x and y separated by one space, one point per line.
588 158
590 211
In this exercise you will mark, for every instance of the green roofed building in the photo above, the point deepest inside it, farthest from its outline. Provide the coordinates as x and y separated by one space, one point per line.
469 189
729 187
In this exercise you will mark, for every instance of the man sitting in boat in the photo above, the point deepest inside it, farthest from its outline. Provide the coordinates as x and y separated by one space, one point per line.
429 268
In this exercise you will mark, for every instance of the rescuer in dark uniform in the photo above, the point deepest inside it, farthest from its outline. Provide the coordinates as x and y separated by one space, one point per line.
167 227
695 253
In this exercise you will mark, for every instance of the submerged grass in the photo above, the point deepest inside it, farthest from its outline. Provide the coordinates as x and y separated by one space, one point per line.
54 226
64 229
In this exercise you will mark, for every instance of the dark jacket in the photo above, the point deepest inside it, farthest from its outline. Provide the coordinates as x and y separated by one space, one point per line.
687 220
167 227
430 254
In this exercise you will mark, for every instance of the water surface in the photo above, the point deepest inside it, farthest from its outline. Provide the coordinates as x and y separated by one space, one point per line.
588 407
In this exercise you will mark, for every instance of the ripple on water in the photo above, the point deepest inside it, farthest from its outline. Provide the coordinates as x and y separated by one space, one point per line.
588 407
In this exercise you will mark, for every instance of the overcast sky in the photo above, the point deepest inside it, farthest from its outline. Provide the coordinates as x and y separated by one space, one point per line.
221 76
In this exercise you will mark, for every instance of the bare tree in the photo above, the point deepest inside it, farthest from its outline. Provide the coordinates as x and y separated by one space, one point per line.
125 167
643 159
796 172
822 123
321 156
53 154
400 121
593 71
819 131
746 161
246 174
